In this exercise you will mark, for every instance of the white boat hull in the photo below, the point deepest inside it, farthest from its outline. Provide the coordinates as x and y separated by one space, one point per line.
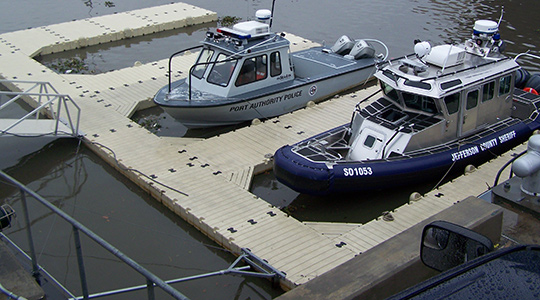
267 106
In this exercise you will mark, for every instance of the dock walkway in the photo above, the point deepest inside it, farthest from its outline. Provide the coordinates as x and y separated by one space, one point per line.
206 182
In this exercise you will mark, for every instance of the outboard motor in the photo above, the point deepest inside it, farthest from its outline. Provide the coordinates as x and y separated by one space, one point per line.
343 45
362 49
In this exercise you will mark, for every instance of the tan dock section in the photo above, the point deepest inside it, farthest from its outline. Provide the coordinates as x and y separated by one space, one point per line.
206 182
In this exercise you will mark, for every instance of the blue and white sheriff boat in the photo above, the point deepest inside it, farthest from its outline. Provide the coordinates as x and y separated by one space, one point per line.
247 72
440 110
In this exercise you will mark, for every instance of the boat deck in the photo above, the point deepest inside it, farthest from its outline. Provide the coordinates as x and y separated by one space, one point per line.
209 179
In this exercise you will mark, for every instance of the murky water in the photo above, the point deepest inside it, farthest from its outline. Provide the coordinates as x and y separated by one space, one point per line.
78 182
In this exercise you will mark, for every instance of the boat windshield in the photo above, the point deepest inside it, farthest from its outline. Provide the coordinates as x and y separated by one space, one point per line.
389 91
420 102
222 70
202 63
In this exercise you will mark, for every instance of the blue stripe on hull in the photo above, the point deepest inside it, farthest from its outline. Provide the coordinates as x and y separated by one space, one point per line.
310 177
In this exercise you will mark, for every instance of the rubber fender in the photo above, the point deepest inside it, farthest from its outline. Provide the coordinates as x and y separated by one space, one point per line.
534 82
522 76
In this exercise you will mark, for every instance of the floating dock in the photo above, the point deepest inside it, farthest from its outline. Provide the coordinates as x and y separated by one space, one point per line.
207 182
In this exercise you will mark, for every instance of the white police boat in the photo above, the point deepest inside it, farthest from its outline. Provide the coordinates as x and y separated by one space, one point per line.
247 72
440 110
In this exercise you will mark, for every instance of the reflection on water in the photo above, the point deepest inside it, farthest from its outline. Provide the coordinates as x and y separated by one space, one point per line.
122 54
359 207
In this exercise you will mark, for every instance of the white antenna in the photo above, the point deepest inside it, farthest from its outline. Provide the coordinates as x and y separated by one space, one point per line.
500 19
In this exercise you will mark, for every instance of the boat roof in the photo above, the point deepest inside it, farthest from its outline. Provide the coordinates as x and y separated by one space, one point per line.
245 38
445 70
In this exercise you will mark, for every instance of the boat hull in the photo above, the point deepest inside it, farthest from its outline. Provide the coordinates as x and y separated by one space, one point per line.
276 102
319 178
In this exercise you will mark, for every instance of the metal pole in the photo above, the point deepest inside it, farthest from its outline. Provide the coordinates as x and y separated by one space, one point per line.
82 273
142 287
150 289
130 262
35 268
56 115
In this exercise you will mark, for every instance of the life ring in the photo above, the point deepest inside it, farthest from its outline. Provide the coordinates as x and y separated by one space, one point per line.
530 90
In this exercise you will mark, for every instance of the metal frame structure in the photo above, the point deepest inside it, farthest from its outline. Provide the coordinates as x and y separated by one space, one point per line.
255 266
44 95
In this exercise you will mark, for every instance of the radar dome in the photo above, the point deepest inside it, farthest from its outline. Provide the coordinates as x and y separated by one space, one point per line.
263 14
422 49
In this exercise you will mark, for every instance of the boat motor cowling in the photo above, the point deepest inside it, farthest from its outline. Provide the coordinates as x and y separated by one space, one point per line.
343 45
362 49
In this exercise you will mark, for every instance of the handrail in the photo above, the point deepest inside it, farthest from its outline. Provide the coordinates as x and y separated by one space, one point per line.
78 227
56 114
170 62
526 54
229 58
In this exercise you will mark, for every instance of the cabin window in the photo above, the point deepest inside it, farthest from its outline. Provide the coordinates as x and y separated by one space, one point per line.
488 91
504 85
370 141
204 58
450 84
472 99
389 91
275 64
452 103
253 69
222 70
420 102
418 84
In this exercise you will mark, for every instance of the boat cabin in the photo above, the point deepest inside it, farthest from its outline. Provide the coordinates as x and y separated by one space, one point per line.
244 58
435 96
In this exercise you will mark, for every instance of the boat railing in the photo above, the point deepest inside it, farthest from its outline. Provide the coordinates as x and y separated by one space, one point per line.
170 63
439 73
231 57
44 95
526 54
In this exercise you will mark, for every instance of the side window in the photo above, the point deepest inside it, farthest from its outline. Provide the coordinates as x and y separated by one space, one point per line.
488 91
504 85
389 91
472 99
275 64
422 103
204 57
370 141
452 103
253 69
222 70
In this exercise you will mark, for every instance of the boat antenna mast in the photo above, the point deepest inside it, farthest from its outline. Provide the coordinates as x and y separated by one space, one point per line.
272 13
500 19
